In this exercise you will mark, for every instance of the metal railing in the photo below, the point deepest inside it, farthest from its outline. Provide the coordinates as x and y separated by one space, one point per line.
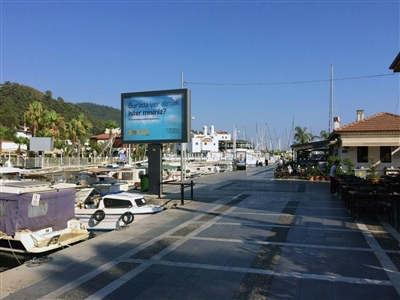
46 162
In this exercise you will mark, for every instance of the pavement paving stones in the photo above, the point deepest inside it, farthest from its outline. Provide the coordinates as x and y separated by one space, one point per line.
246 235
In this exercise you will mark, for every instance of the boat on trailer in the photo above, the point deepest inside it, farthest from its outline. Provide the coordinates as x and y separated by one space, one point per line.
38 216
113 211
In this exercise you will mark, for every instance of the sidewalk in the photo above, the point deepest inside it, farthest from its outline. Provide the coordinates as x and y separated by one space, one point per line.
246 236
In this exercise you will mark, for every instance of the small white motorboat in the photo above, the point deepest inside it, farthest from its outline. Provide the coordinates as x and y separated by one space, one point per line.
113 211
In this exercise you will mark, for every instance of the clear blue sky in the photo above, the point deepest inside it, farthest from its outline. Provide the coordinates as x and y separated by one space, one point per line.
248 53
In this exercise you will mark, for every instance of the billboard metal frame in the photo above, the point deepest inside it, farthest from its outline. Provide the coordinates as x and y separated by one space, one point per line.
155 117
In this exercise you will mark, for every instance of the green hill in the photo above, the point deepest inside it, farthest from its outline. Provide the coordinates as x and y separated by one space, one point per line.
102 112
15 99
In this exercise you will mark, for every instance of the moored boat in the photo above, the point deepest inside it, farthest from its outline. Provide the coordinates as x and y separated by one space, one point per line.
101 181
113 211
38 216
128 174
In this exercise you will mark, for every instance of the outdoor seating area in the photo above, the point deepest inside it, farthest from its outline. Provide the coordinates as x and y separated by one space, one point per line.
282 172
365 200
391 172
302 172
313 172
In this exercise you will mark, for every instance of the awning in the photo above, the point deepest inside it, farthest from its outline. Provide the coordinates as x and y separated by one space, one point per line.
314 146
370 141
100 169
54 151
395 66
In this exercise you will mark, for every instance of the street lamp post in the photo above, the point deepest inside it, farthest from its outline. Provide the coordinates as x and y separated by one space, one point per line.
183 159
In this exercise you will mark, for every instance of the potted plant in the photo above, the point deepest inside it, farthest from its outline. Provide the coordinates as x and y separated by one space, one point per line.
314 173
310 176
374 178
373 175
349 166
325 173
317 173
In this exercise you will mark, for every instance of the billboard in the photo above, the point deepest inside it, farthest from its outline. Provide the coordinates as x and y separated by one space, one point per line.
155 117
241 160
41 144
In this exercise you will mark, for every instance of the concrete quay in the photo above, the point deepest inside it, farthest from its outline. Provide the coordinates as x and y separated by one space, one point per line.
246 236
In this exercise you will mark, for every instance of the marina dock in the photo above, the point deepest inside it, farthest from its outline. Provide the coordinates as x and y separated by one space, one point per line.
245 235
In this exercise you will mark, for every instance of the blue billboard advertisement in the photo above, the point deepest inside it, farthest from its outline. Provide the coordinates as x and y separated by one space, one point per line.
156 116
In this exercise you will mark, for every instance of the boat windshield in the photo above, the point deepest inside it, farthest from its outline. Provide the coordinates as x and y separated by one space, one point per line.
140 202
117 203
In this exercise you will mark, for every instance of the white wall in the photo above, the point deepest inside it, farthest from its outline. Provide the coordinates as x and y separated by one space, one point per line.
373 152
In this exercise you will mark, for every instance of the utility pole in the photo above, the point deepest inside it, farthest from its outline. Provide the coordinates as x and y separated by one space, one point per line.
234 143
330 128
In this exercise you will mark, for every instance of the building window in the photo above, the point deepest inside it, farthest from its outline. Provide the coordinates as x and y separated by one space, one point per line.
362 154
385 154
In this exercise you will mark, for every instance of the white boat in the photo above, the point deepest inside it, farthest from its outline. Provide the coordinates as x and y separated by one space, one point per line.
113 211
224 166
173 173
38 216
128 174
83 193
101 181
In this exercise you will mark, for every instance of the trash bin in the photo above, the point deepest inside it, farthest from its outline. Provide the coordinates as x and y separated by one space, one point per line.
144 183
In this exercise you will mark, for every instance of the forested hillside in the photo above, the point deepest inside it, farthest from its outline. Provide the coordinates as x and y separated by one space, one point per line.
15 100
102 112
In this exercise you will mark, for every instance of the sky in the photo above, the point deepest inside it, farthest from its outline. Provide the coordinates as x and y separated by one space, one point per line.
262 67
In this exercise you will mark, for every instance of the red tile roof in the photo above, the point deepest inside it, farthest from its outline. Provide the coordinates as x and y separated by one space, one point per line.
382 121
103 136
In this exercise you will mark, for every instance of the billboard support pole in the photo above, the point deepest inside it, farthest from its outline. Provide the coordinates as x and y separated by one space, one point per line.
183 148
145 113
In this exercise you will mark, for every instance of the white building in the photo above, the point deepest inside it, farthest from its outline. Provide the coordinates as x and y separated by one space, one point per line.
375 139
206 143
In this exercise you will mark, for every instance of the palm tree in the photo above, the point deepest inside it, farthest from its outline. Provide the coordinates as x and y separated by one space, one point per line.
5 134
20 140
54 122
85 123
94 148
324 135
44 132
34 117
302 136
111 125
61 144
84 132
74 129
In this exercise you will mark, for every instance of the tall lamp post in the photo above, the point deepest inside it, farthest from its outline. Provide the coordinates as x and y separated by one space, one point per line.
183 159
